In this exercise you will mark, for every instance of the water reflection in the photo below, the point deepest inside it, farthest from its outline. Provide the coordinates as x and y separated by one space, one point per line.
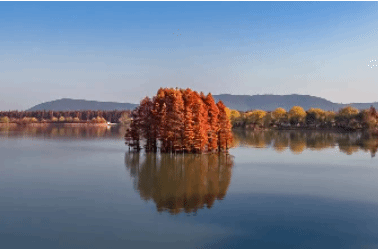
63 131
295 141
298 141
180 183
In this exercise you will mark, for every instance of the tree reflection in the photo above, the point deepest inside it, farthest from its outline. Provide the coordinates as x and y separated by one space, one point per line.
79 131
298 141
281 142
180 183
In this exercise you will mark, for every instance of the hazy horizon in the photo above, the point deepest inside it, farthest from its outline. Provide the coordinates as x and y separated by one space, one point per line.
123 51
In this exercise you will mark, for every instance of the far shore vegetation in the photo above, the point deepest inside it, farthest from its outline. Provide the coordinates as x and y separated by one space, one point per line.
56 117
346 119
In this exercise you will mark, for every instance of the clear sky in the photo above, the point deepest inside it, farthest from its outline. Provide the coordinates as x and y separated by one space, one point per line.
123 51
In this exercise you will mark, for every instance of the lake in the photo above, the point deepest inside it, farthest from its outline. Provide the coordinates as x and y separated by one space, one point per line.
82 188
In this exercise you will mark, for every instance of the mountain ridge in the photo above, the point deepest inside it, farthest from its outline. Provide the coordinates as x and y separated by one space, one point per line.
68 104
267 102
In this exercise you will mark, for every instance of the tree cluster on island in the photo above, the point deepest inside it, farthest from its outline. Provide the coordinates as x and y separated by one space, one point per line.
180 120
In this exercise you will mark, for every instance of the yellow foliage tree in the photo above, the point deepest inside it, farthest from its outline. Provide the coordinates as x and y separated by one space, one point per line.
98 120
319 113
4 119
125 118
297 114
279 113
228 112
256 116
234 114
348 112
368 120
330 116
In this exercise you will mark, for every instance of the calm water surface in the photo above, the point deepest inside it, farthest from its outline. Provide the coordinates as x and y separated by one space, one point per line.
80 188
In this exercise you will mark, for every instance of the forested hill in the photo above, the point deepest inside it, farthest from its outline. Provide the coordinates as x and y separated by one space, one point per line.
66 104
238 102
271 102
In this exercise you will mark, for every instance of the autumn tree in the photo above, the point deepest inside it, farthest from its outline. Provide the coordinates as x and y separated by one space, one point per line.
213 113
369 118
256 117
124 119
235 116
297 114
178 119
346 117
315 116
225 133
160 113
188 121
279 114
348 112
181 120
132 135
4 119
200 124
147 123
330 116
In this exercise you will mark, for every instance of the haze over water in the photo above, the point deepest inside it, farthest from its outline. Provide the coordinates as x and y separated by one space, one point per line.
81 188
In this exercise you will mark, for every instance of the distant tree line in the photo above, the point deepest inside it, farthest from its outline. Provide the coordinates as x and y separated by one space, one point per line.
178 120
97 116
347 118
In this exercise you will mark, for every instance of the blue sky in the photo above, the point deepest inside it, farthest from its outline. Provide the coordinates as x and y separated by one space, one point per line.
123 51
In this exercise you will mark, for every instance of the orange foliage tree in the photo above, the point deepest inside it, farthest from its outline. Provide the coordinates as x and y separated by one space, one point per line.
178 120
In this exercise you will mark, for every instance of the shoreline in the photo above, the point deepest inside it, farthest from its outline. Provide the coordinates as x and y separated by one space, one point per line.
309 129
56 124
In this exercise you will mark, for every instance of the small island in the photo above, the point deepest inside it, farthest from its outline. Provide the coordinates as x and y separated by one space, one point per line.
180 120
